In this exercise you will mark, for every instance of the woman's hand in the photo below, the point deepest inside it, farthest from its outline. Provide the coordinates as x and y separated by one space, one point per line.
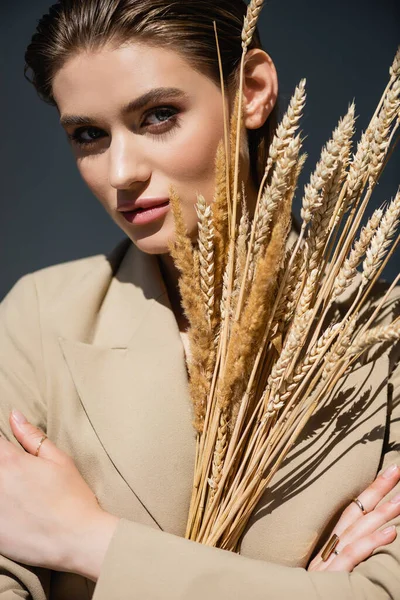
359 534
49 517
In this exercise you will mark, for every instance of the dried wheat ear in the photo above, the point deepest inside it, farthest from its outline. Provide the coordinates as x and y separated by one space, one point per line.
265 352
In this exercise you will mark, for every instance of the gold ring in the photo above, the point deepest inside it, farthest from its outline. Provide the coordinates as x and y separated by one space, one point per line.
360 506
330 547
40 443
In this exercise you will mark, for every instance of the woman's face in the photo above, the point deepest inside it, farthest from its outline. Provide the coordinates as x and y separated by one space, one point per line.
137 153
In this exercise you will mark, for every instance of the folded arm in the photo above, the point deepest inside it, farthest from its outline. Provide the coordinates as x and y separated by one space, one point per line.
22 385
160 565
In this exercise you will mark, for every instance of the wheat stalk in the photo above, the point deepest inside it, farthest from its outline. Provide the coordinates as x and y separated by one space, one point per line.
381 239
206 255
349 268
250 21
200 338
384 333
265 349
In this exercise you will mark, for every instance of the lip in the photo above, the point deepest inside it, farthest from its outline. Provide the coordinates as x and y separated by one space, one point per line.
144 203
153 211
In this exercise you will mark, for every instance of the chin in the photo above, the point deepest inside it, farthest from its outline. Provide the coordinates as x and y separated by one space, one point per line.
156 242
152 244
151 248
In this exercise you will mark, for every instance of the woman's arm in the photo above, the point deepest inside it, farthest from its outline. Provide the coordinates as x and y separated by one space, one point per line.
160 565
22 386
164 566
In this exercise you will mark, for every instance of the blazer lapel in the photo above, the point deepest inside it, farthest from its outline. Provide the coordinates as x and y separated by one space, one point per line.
133 384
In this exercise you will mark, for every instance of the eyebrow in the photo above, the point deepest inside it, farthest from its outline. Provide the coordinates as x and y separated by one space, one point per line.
153 95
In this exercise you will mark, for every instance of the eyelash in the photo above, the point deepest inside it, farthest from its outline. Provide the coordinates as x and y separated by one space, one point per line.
174 120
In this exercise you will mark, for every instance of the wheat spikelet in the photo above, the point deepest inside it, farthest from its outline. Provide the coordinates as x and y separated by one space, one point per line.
288 126
372 147
349 268
220 222
302 314
292 277
250 21
200 340
394 70
300 164
307 294
289 385
285 148
356 175
221 446
181 250
232 138
240 258
282 352
246 332
206 255
196 272
294 293
224 296
339 349
287 287
383 333
286 387
330 157
291 290
381 239
196 262
240 252
380 130
242 237
273 194
279 144
291 344
319 230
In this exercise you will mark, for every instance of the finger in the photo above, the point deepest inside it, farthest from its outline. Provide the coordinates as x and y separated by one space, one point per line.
371 522
30 436
8 449
369 498
381 486
356 552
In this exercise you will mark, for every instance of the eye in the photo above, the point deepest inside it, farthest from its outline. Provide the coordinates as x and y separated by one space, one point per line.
164 111
77 138
166 120
167 125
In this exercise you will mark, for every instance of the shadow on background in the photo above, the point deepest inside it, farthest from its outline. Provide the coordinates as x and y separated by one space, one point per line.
343 48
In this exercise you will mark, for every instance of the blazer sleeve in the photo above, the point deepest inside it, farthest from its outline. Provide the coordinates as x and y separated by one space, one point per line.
153 564
22 385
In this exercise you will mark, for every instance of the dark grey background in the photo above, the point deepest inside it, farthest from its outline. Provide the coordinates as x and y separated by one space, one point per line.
344 48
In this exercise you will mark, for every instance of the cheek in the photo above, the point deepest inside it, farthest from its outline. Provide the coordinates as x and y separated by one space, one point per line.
94 174
191 155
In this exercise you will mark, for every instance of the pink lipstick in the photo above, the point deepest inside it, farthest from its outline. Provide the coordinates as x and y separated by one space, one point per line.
146 210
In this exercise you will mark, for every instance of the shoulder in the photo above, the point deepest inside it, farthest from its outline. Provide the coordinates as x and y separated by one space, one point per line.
62 299
51 284
380 310
385 302
382 303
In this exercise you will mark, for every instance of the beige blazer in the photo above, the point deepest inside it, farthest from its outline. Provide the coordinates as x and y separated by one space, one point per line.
90 351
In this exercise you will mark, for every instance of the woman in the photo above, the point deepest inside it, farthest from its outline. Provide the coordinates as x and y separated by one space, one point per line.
92 351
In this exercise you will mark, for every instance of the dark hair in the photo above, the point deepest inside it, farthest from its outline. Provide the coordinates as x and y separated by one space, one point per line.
185 26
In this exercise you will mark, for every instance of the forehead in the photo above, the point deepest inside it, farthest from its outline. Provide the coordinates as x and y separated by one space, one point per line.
90 79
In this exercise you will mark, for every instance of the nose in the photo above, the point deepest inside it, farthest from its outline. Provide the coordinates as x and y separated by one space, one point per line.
127 162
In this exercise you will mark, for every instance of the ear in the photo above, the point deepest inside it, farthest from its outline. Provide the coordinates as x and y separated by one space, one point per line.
260 88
